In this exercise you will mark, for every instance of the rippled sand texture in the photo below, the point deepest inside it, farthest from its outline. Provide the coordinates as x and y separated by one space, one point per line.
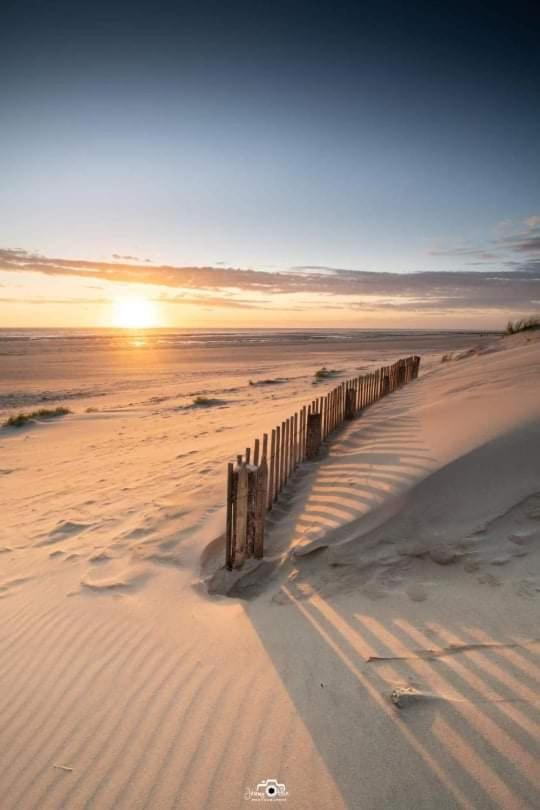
385 654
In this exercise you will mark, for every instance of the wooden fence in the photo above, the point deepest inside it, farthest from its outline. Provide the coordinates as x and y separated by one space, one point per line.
255 482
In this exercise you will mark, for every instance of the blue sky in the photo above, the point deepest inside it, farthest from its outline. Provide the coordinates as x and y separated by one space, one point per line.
376 137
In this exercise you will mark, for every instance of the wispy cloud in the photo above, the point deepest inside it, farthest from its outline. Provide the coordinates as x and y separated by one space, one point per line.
523 243
522 240
476 253
43 301
118 257
515 286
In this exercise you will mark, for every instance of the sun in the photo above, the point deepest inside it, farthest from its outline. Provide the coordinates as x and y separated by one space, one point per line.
134 313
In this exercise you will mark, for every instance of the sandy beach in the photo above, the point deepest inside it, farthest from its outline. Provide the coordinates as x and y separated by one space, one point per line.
383 654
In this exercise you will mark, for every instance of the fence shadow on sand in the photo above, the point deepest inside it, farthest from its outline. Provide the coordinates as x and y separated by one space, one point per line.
462 731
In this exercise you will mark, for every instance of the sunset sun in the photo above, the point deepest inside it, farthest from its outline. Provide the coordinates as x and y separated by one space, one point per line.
134 313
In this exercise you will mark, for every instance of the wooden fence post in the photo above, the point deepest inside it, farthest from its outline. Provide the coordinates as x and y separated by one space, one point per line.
240 534
251 490
313 435
283 461
277 463
272 468
229 549
286 452
260 508
350 403
253 474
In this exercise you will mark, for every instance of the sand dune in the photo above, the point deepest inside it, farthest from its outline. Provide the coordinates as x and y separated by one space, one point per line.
384 654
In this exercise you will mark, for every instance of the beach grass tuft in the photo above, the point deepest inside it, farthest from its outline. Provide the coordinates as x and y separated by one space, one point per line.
201 401
523 325
22 418
324 373
274 381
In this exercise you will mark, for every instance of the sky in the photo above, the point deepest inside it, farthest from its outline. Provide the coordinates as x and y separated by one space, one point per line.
269 163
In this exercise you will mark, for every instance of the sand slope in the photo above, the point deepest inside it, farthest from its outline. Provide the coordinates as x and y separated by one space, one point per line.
384 655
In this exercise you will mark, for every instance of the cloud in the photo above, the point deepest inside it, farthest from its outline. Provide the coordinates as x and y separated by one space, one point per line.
216 302
24 300
117 257
523 243
466 252
512 287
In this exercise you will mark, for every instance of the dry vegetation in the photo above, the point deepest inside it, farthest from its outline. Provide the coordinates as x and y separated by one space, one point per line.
43 413
325 373
523 324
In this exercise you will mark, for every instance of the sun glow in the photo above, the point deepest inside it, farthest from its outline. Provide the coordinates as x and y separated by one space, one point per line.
134 313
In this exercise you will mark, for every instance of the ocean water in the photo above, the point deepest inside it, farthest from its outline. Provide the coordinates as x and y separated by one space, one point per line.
117 366
27 340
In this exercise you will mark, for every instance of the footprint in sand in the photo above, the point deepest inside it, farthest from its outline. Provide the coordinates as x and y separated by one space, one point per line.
527 587
443 555
63 530
100 557
8 585
374 591
489 579
416 592
503 559
129 580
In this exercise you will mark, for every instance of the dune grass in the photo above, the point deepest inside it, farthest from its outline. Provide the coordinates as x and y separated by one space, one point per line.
271 381
201 401
22 418
523 325
324 373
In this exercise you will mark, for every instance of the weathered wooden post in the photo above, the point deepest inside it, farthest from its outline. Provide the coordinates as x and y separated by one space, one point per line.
229 548
385 384
350 402
285 451
313 435
253 475
241 516
260 502
272 470
277 462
